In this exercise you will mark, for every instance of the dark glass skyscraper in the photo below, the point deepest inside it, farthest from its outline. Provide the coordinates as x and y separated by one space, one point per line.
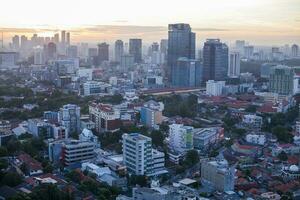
103 52
135 49
181 43
215 60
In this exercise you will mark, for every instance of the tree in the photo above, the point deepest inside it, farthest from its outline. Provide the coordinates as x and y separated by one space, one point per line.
138 180
282 156
12 179
3 152
251 108
157 138
282 134
191 157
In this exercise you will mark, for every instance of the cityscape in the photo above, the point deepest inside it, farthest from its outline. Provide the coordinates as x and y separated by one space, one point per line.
182 105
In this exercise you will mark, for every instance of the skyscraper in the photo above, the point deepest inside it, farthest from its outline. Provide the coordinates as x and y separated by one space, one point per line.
164 46
24 42
234 64
295 51
103 54
16 42
63 37
187 73
56 38
215 60
68 38
119 50
50 51
135 49
181 43
281 80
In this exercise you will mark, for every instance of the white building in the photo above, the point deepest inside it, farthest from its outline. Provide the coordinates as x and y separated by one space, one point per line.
256 139
86 73
180 138
69 117
137 153
204 137
234 64
88 136
92 88
253 121
214 88
38 55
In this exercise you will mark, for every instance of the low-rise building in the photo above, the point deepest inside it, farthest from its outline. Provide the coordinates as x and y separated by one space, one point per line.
253 121
256 139
180 138
204 137
151 113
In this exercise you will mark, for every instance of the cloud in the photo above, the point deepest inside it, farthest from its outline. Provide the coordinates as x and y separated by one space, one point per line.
210 29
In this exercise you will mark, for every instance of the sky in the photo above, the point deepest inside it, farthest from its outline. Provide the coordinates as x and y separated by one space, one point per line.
264 22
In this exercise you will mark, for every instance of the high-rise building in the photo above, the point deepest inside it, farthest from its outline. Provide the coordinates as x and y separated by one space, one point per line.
50 51
137 153
218 174
248 51
63 37
295 51
281 80
72 51
126 62
151 113
234 64
164 46
187 73
56 38
180 138
265 69
239 45
69 117
214 88
68 38
215 60
24 42
16 42
181 43
119 50
154 47
38 56
103 52
135 49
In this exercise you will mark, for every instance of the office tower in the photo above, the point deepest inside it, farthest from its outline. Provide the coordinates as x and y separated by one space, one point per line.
248 51
281 80
119 50
68 38
218 174
137 153
127 61
295 51
151 113
214 88
50 51
154 47
69 117
239 45
8 60
16 42
135 49
234 64
105 117
187 73
63 37
103 52
24 42
38 55
72 51
181 43
56 38
215 60
180 138
164 46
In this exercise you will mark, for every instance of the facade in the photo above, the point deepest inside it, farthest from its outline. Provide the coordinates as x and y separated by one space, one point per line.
295 51
39 128
158 161
69 117
181 43
8 60
234 64
248 52
214 88
215 60
137 153
281 80
105 117
135 49
91 88
127 61
180 138
204 137
187 73
72 51
119 50
103 53
253 121
151 113
218 174
88 136
70 152
5 126
256 139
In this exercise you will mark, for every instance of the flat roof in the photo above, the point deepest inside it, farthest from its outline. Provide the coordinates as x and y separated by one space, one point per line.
187 181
